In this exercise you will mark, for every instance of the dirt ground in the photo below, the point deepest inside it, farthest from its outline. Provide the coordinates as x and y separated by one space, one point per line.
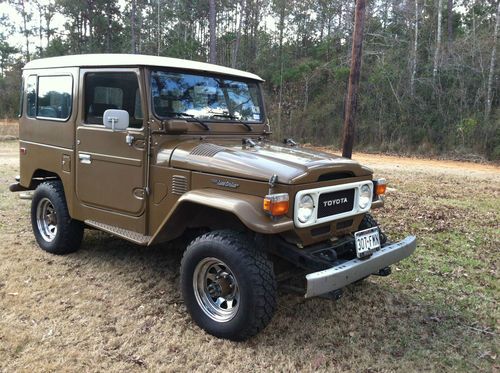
9 129
114 306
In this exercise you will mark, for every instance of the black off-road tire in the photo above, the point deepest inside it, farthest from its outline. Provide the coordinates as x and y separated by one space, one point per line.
369 222
255 278
69 232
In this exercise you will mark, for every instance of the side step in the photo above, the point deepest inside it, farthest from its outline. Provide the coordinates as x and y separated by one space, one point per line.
126 234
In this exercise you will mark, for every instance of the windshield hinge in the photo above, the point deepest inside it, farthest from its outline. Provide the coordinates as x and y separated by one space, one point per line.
248 142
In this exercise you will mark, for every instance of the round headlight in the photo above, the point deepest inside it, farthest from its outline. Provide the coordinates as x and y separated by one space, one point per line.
305 208
365 196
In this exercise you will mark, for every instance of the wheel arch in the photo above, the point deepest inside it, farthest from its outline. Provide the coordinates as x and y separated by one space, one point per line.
40 175
218 209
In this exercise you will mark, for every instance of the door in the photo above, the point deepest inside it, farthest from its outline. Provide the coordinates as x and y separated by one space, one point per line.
111 166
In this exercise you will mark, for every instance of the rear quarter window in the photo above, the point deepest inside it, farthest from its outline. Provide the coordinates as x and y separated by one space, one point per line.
31 96
54 97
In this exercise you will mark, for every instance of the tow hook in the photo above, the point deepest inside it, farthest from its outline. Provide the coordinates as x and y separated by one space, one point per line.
386 271
333 295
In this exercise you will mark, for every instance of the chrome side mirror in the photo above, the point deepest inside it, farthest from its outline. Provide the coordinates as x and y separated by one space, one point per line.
116 120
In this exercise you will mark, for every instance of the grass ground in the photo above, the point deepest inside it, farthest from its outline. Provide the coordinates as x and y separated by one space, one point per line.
114 306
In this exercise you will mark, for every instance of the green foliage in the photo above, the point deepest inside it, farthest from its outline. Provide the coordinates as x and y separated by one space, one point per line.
302 49
10 86
56 47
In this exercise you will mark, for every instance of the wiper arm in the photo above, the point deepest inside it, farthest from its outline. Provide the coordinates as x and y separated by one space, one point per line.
179 114
234 117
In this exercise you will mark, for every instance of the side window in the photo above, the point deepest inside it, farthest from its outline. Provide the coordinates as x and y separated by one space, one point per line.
31 96
54 97
110 90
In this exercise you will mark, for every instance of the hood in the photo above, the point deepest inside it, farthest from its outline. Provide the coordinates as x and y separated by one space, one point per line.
292 165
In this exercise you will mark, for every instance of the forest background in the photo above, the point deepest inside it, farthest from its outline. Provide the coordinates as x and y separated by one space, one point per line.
429 80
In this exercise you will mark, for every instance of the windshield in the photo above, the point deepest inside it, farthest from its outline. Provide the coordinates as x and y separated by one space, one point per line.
205 97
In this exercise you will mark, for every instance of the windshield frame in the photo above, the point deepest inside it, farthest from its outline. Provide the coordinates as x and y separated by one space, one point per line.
232 122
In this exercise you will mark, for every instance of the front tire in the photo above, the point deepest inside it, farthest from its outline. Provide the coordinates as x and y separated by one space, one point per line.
370 222
228 285
55 231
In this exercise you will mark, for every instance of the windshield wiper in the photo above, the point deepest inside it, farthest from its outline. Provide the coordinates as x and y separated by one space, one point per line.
179 114
234 117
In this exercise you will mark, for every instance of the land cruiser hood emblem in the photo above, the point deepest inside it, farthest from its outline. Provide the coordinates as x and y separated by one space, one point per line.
292 165
225 183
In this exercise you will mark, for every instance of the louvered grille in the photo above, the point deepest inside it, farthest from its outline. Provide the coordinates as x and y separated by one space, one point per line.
179 184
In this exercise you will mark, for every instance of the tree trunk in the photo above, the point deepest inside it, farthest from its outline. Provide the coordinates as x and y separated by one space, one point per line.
26 32
354 75
450 24
237 43
89 15
415 50
40 27
438 40
158 31
48 14
213 35
492 65
132 28
108 33
280 101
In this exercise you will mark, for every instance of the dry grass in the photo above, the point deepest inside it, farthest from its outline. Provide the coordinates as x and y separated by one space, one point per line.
115 306
9 129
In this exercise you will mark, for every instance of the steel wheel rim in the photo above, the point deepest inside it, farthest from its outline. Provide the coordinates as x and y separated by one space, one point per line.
216 289
46 219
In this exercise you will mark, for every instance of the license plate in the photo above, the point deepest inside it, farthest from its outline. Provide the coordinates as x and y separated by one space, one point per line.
367 241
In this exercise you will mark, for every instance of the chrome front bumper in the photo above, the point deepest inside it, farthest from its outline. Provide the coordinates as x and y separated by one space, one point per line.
348 272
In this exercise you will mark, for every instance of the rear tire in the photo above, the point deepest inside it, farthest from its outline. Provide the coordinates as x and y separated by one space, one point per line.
228 285
55 231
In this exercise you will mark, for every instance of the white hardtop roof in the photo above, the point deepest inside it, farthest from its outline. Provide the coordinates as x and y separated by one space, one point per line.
115 60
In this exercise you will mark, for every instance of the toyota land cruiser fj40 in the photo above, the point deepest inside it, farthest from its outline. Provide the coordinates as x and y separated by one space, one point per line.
154 149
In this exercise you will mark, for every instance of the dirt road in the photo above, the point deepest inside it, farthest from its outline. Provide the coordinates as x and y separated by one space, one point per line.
381 163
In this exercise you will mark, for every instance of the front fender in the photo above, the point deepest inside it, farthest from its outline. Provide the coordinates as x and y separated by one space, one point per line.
247 208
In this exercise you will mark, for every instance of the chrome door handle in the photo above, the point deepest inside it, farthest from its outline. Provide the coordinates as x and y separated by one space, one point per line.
129 139
85 158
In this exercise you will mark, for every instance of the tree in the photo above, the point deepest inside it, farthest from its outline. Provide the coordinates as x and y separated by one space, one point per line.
6 50
438 39
213 36
450 23
492 63
415 53
239 6
49 11
26 30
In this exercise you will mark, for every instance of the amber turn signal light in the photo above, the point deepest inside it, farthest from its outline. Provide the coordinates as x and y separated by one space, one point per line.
276 204
380 187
